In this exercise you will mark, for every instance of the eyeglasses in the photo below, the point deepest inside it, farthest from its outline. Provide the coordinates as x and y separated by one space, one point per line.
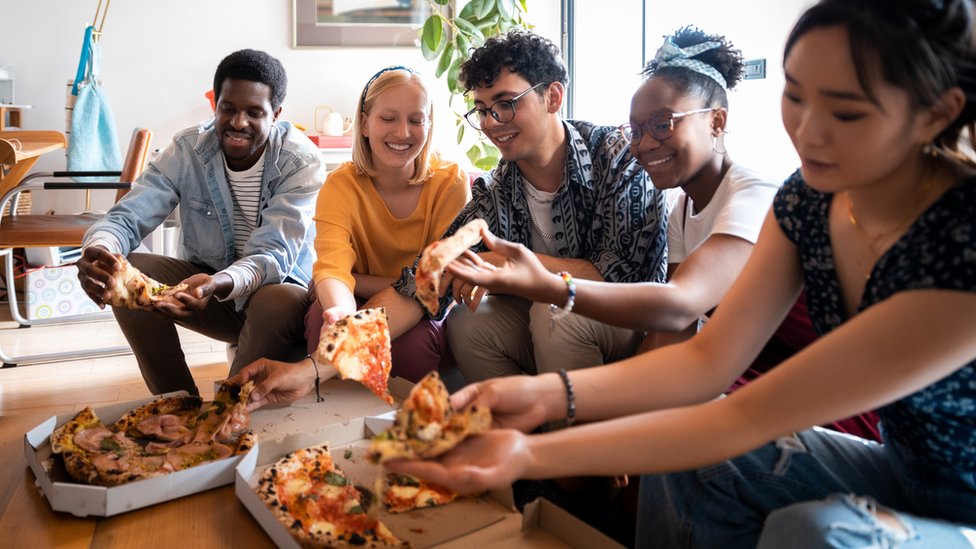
660 127
502 111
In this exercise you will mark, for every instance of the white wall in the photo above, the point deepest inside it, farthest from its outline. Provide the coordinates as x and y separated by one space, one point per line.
759 28
159 59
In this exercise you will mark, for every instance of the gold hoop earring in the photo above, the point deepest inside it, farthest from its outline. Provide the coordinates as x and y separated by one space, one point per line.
718 144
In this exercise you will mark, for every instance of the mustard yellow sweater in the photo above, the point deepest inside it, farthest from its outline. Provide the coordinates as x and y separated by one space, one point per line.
356 233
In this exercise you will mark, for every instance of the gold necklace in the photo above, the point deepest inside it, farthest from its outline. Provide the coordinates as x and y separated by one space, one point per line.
873 241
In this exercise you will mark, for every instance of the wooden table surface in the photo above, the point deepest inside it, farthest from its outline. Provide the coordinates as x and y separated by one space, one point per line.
215 518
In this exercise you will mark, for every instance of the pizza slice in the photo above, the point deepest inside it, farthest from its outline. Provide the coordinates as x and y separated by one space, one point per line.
318 505
166 418
358 346
439 255
405 493
134 290
426 425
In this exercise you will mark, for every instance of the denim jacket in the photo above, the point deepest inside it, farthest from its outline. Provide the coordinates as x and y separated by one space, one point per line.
190 173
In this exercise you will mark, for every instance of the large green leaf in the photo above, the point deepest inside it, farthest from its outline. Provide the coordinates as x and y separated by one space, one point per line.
507 8
445 61
452 73
463 44
474 153
433 34
460 133
473 32
469 11
486 7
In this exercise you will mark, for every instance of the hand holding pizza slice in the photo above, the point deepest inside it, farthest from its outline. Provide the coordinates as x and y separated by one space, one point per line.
427 426
437 256
134 290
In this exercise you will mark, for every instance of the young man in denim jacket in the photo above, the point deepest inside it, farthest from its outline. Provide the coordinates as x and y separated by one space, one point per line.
246 185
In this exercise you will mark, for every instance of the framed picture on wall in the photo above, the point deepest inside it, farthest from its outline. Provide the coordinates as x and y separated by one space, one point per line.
357 23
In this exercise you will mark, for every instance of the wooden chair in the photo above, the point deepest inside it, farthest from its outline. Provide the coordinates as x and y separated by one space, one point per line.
19 150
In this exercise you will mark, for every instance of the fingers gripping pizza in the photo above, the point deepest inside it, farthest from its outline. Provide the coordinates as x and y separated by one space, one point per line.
358 346
437 256
134 290
163 436
318 505
426 426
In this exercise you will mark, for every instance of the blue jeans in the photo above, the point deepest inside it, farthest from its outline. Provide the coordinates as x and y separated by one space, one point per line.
812 489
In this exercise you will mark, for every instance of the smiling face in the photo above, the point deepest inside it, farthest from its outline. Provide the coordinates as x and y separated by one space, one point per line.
843 139
535 117
397 127
675 161
243 121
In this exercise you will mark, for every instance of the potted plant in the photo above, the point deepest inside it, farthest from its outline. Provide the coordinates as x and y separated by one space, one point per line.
448 39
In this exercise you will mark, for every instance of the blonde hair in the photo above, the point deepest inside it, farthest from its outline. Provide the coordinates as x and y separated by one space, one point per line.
362 155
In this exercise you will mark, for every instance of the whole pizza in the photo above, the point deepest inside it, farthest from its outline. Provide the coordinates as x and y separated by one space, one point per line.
166 435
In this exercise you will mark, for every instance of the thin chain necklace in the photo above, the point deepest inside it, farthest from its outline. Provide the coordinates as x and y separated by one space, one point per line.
873 241
538 229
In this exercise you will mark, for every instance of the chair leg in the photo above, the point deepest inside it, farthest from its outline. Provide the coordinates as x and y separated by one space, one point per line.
10 361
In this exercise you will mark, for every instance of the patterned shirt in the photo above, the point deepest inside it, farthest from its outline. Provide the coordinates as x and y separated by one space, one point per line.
936 424
606 211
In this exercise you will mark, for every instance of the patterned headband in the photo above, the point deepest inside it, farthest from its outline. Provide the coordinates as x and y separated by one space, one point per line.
670 55
362 100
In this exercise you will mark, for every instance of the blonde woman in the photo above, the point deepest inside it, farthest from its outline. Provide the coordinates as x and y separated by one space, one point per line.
374 216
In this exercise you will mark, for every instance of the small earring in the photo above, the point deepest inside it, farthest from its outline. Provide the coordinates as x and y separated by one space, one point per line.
929 149
718 144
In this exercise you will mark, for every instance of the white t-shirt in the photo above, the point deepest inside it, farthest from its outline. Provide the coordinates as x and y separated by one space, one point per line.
540 208
738 208
245 191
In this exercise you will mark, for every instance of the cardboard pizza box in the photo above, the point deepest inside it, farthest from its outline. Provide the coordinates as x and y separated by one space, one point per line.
488 521
344 400
347 443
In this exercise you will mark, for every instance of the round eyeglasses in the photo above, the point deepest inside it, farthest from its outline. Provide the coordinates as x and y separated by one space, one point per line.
502 111
660 127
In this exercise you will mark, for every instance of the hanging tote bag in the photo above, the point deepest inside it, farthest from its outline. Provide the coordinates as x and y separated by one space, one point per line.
94 142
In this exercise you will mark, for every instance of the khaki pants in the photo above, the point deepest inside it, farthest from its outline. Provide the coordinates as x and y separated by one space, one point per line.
509 335
271 325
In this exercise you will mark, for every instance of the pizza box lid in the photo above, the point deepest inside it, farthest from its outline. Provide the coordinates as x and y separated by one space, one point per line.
348 443
63 494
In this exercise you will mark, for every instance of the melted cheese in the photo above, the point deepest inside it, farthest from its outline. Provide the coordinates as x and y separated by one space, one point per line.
297 486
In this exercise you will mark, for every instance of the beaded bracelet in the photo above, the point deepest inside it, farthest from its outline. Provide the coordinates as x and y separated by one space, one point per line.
318 396
557 312
570 398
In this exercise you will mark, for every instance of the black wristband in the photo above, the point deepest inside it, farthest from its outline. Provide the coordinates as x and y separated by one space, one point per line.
318 396
570 398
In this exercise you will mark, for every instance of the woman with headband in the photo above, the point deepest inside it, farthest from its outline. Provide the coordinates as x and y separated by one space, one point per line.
374 216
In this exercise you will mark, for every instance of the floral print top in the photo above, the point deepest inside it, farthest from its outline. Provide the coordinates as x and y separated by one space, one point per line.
937 424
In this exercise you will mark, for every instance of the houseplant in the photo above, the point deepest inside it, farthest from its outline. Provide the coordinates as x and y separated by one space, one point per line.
448 36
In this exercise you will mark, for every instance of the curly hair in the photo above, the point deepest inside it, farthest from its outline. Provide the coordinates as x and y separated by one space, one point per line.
529 55
924 48
254 66
726 59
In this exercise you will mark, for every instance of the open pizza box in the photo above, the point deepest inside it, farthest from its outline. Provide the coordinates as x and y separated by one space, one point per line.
343 400
486 521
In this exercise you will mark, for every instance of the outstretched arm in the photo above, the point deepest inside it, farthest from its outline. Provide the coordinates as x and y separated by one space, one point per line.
697 286
919 337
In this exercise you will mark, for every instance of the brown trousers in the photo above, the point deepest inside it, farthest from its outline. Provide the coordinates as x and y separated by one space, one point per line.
271 325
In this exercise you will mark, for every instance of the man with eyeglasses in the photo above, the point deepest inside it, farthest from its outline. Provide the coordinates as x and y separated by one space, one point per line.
568 190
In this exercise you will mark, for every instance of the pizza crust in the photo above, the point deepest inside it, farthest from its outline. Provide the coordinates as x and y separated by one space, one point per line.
439 255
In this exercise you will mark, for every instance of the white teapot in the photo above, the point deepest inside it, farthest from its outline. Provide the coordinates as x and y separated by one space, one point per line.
331 122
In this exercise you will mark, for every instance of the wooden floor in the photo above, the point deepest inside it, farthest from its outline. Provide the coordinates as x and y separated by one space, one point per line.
71 385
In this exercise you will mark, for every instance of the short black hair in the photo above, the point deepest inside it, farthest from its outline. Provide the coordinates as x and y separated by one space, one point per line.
254 66
529 55
922 47
725 59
